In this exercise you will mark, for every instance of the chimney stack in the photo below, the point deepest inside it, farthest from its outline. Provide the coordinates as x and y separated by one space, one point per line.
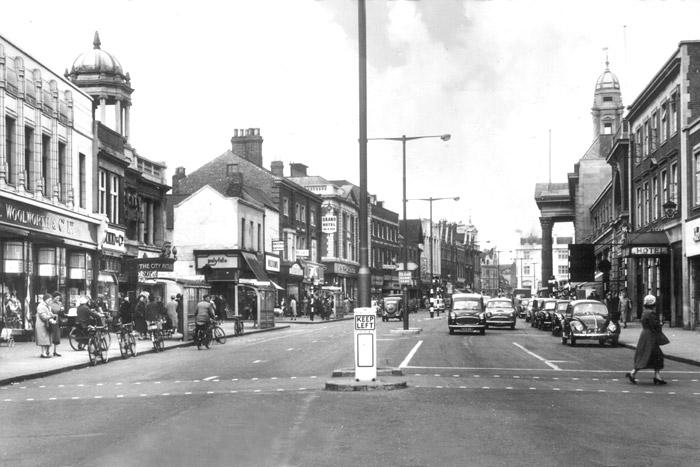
179 175
248 145
297 169
277 168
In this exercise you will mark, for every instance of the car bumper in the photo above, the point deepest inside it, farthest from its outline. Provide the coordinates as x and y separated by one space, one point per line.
594 335
500 322
467 327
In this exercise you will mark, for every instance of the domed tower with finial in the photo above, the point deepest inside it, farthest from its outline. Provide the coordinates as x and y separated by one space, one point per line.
100 75
607 104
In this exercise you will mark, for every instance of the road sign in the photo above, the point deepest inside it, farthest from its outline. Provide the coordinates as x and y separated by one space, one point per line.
405 277
365 322
365 344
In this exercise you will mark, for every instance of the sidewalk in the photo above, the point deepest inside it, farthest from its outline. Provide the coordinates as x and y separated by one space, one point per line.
22 362
684 346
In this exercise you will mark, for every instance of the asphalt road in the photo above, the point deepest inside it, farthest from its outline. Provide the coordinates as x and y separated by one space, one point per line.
507 398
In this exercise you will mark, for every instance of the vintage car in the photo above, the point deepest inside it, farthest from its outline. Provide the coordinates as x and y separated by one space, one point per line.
393 308
467 313
545 313
588 319
558 318
500 312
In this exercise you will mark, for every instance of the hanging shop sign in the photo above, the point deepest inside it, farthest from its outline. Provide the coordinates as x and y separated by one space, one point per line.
277 245
302 254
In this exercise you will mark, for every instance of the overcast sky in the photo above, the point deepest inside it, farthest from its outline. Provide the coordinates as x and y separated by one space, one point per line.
499 76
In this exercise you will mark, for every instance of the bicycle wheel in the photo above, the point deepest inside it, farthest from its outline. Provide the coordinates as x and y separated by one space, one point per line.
198 339
107 337
239 327
75 340
123 345
160 341
92 351
154 340
219 335
132 345
104 350
206 339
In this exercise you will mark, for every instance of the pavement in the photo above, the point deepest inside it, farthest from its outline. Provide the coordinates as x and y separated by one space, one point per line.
21 361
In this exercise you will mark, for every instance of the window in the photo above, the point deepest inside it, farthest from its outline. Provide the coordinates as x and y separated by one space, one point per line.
231 169
655 198
607 128
664 123
113 199
526 270
303 214
102 192
28 156
526 254
251 233
285 207
647 203
697 178
259 238
654 135
62 176
312 217
607 99
664 186
674 183
82 180
242 233
46 165
639 206
563 270
290 247
647 138
297 212
673 123
563 254
637 148
10 153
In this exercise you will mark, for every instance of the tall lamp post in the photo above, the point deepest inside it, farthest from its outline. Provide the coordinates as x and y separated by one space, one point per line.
430 236
403 139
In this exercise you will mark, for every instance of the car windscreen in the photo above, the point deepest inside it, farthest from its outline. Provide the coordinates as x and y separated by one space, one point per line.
590 309
499 304
467 305
550 305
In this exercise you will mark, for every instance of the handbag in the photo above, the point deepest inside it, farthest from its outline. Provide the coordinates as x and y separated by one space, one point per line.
663 340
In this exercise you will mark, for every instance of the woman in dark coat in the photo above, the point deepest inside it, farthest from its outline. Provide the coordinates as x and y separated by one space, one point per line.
648 353
140 317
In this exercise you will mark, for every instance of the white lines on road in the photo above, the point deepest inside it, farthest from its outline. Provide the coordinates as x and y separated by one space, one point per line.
549 363
410 355
210 378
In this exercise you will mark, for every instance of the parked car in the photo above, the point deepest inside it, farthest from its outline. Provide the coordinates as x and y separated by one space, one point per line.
558 318
467 313
543 316
588 319
500 312
532 307
393 308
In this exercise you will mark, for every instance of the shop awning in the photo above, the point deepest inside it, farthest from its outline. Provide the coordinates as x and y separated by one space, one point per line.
275 285
255 266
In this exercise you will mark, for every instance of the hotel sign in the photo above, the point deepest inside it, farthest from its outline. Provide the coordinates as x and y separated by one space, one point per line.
648 250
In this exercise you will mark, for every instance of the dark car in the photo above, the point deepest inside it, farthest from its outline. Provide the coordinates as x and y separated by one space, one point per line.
588 319
522 312
532 307
393 308
543 316
467 313
558 318
500 312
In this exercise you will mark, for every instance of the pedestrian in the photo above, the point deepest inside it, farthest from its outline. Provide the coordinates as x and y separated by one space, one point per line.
172 312
42 325
126 314
648 353
284 307
218 307
625 307
56 307
152 309
140 317
305 305
293 307
180 311
312 306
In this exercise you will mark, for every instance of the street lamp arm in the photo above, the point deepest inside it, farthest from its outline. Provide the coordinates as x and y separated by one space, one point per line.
445 137
456 198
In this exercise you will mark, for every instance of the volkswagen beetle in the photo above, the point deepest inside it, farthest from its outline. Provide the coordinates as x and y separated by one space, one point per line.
588 319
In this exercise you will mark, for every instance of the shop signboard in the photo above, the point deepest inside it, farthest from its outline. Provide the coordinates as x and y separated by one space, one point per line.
277 245
34 218
329 224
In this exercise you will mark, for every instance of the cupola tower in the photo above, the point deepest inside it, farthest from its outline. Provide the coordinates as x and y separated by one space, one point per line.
607 104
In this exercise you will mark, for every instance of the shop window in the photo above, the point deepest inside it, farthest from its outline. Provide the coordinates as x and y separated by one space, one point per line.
107 291
13 254
48 261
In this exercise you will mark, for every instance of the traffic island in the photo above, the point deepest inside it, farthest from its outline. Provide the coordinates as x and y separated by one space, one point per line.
406 331
344 380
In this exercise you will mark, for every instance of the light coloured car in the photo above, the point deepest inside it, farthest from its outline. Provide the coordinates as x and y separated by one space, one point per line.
500 312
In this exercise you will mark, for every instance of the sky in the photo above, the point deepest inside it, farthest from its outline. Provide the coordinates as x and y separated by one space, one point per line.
512 82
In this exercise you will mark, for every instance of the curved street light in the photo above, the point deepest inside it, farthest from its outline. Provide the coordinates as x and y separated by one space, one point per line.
403 139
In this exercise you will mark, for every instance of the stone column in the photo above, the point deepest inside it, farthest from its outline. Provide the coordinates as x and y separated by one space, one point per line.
547 272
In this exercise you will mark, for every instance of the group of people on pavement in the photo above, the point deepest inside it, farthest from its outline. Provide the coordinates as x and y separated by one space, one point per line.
310 306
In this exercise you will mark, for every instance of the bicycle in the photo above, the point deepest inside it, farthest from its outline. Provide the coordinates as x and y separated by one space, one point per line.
97 345
156 335
127 342
217 333
202 336
238 326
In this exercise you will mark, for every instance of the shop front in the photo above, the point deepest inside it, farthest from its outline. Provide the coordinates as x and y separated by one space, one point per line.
691 316
342 275
240 284
313 280
43 251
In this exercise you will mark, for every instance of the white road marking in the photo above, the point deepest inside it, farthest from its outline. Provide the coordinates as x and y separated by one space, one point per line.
410 355
209 378
543 360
